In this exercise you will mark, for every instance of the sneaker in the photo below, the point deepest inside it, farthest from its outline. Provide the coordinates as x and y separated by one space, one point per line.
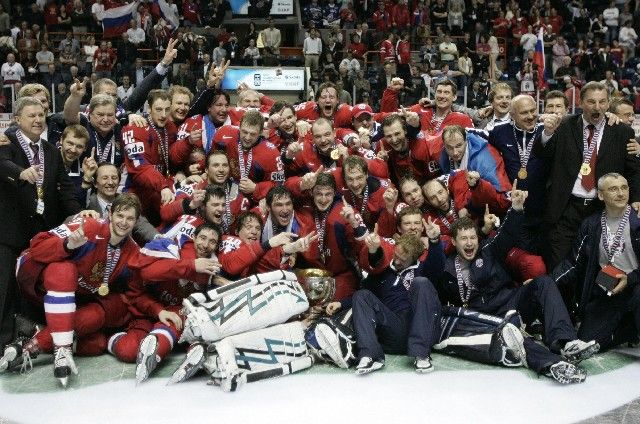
367 365
63 364
147 359
19 355
566 373
423 365
337 345
577 350
192 363
513 342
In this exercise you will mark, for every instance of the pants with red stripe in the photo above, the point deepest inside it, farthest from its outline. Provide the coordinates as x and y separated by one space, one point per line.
86 317
124 346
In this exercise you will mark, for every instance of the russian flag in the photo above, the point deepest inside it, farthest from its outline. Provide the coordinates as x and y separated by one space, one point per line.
160 8
538 59
116 20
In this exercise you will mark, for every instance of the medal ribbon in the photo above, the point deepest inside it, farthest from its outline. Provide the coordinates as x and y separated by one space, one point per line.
524 148
436 122
321 223
610 251
103 155
365 199
444 217
244 170
163 147
113 256
462 284
24 144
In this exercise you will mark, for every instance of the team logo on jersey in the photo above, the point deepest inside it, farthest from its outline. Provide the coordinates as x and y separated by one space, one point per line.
479 262
97 272
230 244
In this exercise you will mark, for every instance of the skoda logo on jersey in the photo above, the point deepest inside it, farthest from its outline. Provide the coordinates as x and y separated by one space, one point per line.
479 262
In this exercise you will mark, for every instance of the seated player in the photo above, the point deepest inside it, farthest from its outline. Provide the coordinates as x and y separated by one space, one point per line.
166 274
474 277
606 249
87 259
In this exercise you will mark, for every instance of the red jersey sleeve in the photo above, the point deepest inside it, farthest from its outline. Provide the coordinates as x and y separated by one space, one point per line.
139 159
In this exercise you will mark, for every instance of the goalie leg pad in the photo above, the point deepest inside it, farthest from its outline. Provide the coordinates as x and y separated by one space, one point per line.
254 307
331 341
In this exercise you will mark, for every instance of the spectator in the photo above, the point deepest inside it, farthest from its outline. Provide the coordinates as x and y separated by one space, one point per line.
185 77
252 34
67 58
528 42
74 74
560 51
381 19
362 85
51 15
70 41
51 78
400 16
125 90
351 64
89 51
139 72
610 82
219 55
628 40
60 97
348 16
6 45
136 34
233 49
127 53
465 66
357 47
439 14
403 52
610 15
64 20
198 50
312 49
455 21
80 19
104 61
259 8
27 47
271 40
251 54
12 72
388 52
476 98
331 14
97 13
312 13
344 97
448 51
44 58
5 24
191 13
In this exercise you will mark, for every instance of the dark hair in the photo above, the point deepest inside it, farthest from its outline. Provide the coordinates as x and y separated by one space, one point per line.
448 82
326 180
216 95
213 190
323 87
157 94
276 193
105 164
281 105
393 118
208 226
246 216
216 152
557 94
127 201
464 223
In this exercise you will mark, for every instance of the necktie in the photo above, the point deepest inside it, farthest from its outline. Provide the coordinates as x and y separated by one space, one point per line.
35 148
589 180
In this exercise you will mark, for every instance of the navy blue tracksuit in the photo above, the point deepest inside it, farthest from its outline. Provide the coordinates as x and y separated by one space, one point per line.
610 320
494 293
399 311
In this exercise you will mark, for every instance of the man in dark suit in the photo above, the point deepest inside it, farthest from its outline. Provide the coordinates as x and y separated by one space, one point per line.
602 63
36 195
582 149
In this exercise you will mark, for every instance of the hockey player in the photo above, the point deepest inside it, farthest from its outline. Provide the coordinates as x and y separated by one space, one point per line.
244 254
325 106
470 152
148 163
166 275
189 196
327 150
255 162
406 155
474 278
335 249
208 208
87 259
279 215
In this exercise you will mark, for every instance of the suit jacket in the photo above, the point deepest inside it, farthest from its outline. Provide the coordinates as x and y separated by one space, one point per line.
19 221
142 231
563 153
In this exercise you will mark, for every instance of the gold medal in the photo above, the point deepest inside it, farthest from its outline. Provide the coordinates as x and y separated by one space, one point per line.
40 192
522 173
335 154
585 169
103 290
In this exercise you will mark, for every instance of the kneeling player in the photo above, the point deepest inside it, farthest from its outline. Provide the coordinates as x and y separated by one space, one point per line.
167 274
80 265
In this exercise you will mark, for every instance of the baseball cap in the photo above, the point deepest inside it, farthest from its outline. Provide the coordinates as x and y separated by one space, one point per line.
360 109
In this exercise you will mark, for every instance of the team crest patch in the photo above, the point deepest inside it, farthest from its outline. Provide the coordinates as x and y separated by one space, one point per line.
96 273
479 262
